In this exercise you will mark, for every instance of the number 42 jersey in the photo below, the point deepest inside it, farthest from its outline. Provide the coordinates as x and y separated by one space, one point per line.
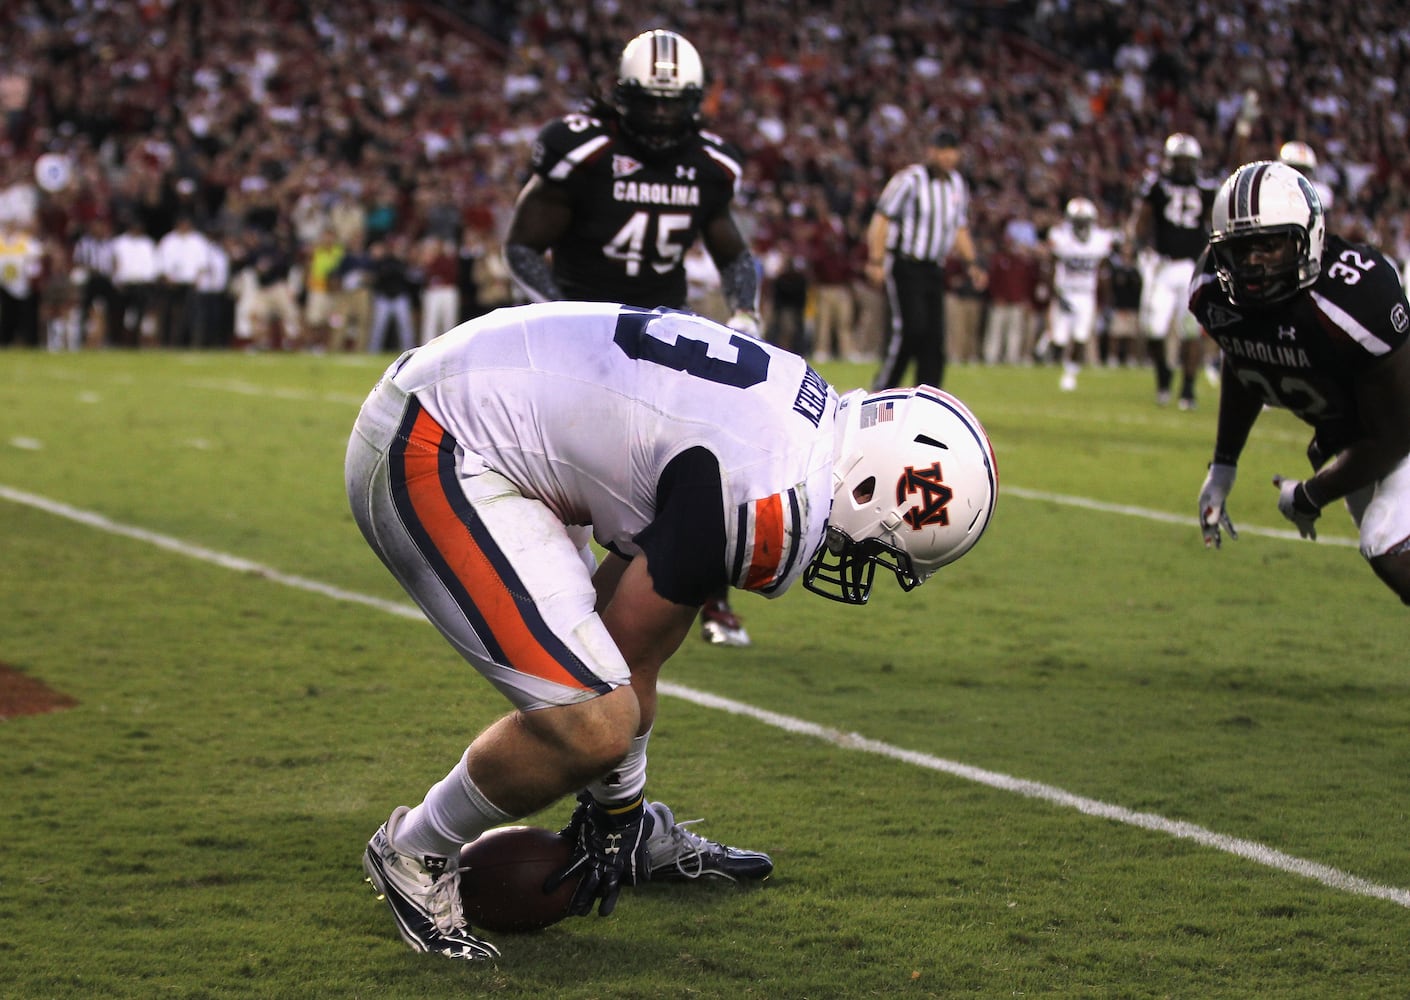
633 217
585 406
1306 354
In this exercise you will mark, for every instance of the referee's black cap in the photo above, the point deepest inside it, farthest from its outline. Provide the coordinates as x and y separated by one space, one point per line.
945 139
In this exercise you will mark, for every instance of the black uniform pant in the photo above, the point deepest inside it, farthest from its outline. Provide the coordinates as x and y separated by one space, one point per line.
915 294
19 319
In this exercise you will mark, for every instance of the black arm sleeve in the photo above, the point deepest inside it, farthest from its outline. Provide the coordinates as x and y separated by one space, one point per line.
530 269
739 282
685 542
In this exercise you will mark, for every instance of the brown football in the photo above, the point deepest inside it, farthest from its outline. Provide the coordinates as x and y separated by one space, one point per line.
502 876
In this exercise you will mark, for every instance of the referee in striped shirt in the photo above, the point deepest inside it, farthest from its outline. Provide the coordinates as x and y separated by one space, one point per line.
921 218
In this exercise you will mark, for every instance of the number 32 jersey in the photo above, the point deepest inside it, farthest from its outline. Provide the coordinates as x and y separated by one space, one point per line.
584 406
633 218
1307 354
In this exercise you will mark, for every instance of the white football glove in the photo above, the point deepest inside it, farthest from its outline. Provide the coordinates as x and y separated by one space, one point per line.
1297 506
746 323
1212 514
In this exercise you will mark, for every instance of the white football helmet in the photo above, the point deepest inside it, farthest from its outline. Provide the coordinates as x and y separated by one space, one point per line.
1081 215
914 486
660 84
1266 233
1299 156
1181 156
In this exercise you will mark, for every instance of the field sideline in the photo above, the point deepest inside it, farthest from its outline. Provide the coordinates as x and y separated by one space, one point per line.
915 774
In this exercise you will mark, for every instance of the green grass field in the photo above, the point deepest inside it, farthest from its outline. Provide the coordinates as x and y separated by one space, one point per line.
1091 759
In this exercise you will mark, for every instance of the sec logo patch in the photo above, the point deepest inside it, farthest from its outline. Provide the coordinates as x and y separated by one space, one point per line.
1399 318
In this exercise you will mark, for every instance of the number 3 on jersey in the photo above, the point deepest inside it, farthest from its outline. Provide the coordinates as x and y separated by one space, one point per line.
749 367
629 244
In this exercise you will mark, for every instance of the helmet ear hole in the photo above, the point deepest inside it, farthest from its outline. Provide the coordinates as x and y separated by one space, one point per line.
865 490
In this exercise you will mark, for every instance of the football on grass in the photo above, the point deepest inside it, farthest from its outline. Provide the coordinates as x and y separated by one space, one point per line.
502 875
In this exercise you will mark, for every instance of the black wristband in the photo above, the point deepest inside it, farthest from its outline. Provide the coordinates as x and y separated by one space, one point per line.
1303 503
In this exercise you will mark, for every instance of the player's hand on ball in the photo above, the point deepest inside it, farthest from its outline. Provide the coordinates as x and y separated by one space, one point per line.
1297 506
1213 514
609 851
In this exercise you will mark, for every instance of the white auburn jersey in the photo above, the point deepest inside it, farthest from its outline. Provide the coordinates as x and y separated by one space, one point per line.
1077 261
583 405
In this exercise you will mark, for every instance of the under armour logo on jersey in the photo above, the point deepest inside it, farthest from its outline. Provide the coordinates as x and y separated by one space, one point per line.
684 173
1287 332
623 166
935 495
1399 318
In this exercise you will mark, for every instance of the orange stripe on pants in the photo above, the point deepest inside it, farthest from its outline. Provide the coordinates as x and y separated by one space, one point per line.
427 464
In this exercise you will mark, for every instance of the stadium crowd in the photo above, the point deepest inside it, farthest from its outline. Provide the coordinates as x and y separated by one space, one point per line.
305 177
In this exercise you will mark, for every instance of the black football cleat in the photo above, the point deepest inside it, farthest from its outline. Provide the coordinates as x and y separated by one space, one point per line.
680 855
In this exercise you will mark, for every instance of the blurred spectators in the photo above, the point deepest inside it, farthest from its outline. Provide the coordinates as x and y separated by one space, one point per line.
414 118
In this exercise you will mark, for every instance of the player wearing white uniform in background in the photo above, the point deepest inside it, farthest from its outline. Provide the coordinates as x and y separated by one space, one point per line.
1078 247
698 457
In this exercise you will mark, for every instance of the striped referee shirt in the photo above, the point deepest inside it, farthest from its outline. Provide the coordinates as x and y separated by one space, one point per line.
926 212
94 253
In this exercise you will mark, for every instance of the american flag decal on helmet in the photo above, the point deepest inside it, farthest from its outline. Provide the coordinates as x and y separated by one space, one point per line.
881 412
768 534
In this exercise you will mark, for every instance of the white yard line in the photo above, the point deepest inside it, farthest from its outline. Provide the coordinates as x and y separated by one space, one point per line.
1249 850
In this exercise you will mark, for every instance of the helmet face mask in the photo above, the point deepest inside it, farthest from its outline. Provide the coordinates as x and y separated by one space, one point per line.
914 486
1266 234
660 86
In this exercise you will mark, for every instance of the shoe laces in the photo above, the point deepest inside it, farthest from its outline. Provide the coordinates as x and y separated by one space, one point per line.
443 903
690 848
439 896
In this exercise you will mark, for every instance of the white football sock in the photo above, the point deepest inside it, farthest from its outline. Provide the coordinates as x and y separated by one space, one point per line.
454 812
627 780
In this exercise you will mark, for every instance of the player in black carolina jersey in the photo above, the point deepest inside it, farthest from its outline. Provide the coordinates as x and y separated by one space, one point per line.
620 191
1316 325
1167 230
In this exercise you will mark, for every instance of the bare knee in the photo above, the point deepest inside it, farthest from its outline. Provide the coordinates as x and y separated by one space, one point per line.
590 737
528 760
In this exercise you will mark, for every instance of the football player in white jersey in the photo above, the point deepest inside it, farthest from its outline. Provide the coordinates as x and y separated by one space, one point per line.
1078 247
483 463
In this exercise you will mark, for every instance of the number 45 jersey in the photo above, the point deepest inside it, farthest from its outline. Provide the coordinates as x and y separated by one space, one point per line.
633 218
1306 354
585 405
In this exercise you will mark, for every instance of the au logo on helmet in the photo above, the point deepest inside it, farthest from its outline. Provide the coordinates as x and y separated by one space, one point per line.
935 496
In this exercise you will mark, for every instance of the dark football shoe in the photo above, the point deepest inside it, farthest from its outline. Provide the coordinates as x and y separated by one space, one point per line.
677 854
